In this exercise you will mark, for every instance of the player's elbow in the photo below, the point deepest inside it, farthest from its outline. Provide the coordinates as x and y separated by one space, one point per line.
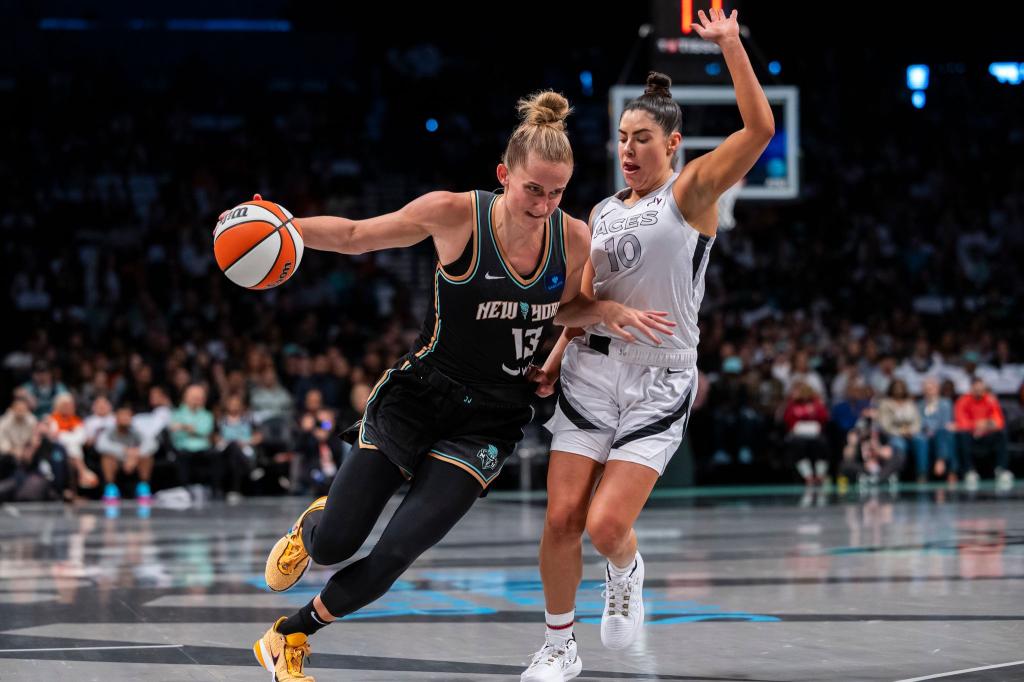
763 131
353 241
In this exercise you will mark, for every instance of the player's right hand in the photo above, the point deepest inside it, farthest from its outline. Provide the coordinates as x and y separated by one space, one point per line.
255 197
545 380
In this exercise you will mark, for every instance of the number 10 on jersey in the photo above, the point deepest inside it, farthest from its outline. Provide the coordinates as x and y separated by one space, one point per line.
627 251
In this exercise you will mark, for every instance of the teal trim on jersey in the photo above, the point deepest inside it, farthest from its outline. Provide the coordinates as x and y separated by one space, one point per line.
427 350
387 377
547 258
479 246
361 435
561 237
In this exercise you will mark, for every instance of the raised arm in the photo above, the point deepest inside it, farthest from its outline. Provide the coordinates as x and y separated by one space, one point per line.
708 176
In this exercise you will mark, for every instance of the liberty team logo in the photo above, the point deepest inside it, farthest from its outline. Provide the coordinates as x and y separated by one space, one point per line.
488 457
524 310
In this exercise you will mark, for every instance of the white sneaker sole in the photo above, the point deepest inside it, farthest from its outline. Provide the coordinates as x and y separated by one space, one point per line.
267 660
636 633
575 669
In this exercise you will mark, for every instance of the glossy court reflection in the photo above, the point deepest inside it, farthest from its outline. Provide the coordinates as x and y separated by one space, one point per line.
740 586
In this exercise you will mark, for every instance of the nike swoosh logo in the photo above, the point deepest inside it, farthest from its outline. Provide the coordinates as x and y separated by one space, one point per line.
677 371
490 276
606 213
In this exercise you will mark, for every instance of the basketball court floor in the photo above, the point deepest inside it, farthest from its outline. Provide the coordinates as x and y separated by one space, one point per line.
755 584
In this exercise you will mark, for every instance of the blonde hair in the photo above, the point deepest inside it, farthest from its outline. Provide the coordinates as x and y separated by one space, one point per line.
541 130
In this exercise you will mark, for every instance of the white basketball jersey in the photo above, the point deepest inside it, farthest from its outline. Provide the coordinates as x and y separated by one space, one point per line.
646 256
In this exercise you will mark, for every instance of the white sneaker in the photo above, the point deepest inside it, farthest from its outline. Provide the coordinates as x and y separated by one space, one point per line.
1004 479
971 480
555 662
623 614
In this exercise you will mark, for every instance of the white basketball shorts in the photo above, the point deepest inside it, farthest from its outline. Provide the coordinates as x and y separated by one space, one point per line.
614 410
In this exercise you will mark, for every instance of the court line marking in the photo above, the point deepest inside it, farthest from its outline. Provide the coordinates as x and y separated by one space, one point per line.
97 648
961 672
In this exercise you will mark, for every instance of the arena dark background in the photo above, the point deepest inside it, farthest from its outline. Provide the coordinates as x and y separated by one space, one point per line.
124 140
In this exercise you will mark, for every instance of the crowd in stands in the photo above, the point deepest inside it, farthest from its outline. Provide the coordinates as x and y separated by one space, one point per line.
869 330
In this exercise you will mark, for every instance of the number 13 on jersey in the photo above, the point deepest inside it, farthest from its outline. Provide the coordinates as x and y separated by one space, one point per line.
526 341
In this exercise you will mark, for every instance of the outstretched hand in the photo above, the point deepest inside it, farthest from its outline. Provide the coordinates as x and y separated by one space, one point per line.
719 27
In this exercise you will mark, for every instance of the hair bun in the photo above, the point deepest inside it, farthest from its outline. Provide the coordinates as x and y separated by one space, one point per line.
545 108
658 84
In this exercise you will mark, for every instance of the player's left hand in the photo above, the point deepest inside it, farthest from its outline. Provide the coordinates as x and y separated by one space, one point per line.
616 317
719 27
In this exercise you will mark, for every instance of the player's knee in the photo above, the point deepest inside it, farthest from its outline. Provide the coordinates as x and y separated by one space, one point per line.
389 563
565 522
327 551
607 533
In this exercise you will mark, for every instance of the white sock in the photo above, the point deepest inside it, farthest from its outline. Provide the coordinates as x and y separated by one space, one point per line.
559 626
616 572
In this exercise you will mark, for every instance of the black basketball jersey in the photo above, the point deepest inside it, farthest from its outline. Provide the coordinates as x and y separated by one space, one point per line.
488 321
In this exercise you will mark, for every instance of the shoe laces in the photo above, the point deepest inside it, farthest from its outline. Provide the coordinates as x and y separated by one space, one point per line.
618 592
292 553
550 653
293 656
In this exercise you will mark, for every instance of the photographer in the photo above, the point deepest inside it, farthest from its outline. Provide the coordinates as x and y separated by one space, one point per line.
868 456
320 454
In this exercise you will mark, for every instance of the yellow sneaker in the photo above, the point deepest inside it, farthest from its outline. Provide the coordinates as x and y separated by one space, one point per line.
289 560
283 655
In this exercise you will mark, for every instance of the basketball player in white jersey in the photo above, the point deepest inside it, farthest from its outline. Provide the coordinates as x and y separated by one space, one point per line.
623 407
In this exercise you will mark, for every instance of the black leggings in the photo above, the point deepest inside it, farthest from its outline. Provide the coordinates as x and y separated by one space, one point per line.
439 496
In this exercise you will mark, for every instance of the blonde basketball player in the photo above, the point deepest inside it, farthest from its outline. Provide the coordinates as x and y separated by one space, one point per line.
623 408
451 411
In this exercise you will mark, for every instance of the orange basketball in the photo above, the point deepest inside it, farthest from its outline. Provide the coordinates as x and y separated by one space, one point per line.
258 244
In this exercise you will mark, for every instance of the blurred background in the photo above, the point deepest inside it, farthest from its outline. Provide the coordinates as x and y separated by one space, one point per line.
876 246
